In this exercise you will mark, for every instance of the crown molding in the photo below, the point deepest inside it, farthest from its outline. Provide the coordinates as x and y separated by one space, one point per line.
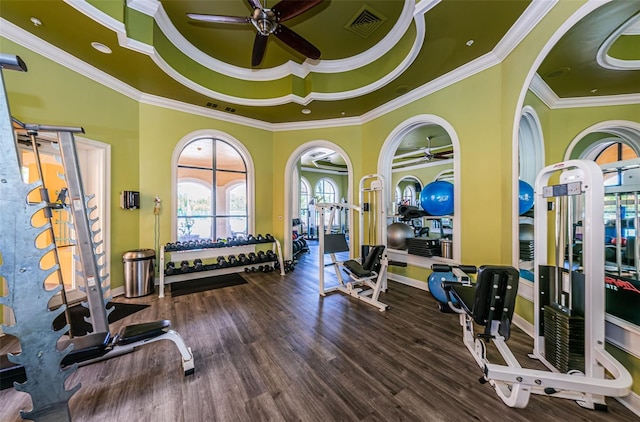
175 105
522 26
154 9
540 88
631 27
26 39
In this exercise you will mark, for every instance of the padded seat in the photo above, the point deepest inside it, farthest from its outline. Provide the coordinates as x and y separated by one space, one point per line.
139 332
491 298
86 347
371 263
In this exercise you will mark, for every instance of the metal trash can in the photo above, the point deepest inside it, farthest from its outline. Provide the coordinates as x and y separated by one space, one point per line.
139 272
446 248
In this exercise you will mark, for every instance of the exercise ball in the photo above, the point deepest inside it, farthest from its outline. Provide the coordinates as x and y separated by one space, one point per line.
397 235
435 286
525 196
437 198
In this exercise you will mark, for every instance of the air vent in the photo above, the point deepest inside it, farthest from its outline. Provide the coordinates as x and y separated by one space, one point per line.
365 21
212 105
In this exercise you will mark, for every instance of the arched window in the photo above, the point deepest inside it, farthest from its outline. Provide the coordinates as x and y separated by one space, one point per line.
327 191
211 191
409 195
398 195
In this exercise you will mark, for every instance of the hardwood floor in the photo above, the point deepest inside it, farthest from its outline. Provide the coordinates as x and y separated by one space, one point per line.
274 350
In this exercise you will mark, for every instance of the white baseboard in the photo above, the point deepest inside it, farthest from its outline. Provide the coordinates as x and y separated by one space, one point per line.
408 281
118 291
631 402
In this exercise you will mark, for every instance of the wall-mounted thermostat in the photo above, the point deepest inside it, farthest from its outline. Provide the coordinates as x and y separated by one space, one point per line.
130 200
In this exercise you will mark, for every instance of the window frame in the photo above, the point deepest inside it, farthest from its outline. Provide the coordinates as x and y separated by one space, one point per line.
249 166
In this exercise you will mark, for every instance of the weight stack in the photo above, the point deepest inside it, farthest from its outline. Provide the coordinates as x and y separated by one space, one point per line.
423 247
563 339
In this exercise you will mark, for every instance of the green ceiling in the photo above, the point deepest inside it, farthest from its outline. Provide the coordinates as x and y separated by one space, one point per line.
159 51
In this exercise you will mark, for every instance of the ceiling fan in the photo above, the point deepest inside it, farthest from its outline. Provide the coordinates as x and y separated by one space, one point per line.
267 22
422 154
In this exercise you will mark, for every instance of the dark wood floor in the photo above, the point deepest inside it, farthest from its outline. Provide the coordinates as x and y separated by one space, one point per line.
274 350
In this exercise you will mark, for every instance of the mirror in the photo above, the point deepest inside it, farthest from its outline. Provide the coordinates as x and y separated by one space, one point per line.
420 223
322 176
595 63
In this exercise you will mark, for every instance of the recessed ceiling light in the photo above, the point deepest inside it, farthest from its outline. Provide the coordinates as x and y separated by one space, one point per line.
306 111
343 113
594 90
469 43
35 21
101 47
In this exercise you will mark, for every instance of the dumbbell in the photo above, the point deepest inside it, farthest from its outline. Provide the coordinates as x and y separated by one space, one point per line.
169 268
259 238
268 238
233 261
261 256
271 256
243 259
184 266
222 262
253 258
197 265
251 239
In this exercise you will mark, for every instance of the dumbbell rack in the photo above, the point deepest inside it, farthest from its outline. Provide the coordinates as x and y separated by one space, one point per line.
210 253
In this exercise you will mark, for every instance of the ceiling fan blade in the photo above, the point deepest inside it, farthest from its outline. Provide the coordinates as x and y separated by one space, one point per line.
259 45
287 9
296 42
255 4
217 18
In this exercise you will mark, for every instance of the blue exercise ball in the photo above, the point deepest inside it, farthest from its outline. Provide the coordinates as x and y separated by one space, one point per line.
437 198
435 286
525 196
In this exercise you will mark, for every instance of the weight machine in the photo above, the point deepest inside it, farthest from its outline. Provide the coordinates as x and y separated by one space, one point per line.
569 314
368 275
44 363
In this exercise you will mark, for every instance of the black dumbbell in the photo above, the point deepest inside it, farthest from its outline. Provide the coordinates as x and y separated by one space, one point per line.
251 239
169 268
197 265
253 258
222 262
233 261
184 266
261 256
271 256
268 238
243 259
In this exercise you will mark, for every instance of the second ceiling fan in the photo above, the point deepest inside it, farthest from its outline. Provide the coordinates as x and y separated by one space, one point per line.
267 22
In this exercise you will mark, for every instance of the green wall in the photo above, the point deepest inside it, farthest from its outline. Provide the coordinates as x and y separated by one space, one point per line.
483 109
105 115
